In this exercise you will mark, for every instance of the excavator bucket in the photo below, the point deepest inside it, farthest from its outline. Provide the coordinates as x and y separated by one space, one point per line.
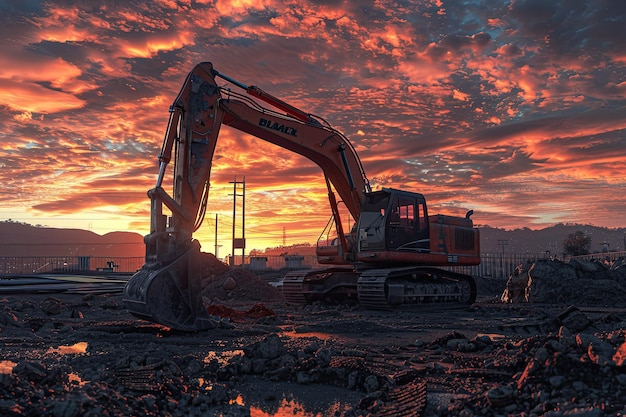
171 294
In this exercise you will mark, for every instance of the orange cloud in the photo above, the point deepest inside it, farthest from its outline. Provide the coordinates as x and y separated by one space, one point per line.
33 98
488 109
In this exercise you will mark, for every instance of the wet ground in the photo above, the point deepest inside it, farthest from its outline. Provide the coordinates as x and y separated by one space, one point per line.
69 355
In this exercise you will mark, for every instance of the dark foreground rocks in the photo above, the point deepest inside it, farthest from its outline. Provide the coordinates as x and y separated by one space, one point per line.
67 355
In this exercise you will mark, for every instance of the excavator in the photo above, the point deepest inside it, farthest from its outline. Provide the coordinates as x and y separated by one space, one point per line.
395 255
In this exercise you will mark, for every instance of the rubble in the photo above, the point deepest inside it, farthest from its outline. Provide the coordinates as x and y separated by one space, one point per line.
589 283
483 361
222 284
553 377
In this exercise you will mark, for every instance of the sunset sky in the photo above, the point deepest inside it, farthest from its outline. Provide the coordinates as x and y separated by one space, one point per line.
514 108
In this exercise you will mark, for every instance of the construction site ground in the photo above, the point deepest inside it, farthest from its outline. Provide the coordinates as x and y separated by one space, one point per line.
71 354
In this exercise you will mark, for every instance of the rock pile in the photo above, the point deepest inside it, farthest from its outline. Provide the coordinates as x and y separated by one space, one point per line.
33 389
583 283
561 374
318 362
221 284
150 385
554 375
312 362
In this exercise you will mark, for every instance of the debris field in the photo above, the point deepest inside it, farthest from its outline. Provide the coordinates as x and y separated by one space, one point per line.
531 349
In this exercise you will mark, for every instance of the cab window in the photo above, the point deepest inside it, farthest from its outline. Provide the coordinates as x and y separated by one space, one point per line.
403 212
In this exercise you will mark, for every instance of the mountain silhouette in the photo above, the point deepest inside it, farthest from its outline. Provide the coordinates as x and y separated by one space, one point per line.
21 239
524 240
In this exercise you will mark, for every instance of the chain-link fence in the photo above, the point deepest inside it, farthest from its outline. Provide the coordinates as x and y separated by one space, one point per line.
17 265
493 265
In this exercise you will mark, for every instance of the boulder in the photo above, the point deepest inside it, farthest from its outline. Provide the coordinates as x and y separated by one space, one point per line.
584 283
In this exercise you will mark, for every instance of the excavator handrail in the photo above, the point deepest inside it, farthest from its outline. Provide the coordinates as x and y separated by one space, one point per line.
227 92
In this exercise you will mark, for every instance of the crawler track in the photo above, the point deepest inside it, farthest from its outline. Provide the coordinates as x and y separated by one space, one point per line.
385 289
293 289
380 289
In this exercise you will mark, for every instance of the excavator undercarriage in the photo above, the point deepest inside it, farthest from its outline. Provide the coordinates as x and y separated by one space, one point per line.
380 288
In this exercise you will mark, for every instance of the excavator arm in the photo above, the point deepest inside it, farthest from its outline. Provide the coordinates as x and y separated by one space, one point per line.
167 288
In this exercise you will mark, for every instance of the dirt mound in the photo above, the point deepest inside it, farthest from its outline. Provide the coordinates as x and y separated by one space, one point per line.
72 355
583 283
211 266
221 284
257 311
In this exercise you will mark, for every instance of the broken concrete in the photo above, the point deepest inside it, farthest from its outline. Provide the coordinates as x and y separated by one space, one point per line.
589 283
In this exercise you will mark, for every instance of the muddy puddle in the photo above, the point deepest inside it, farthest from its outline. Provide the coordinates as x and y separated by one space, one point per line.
76 348
289 399
6 367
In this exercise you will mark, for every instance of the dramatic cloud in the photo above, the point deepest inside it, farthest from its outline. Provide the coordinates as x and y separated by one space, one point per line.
516 108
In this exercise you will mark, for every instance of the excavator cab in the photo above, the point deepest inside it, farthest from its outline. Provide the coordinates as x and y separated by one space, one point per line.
394 220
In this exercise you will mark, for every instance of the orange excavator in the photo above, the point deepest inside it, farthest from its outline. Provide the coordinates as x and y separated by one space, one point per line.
395 255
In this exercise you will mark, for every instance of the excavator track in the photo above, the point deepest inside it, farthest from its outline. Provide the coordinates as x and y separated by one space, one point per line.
371 290
334 284
380 289
392 288
293 289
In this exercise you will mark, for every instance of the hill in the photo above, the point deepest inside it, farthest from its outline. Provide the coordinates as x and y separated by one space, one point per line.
21 239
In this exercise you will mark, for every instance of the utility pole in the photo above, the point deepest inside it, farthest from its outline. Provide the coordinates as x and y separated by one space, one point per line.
503 243
243 221
239 243
216 236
